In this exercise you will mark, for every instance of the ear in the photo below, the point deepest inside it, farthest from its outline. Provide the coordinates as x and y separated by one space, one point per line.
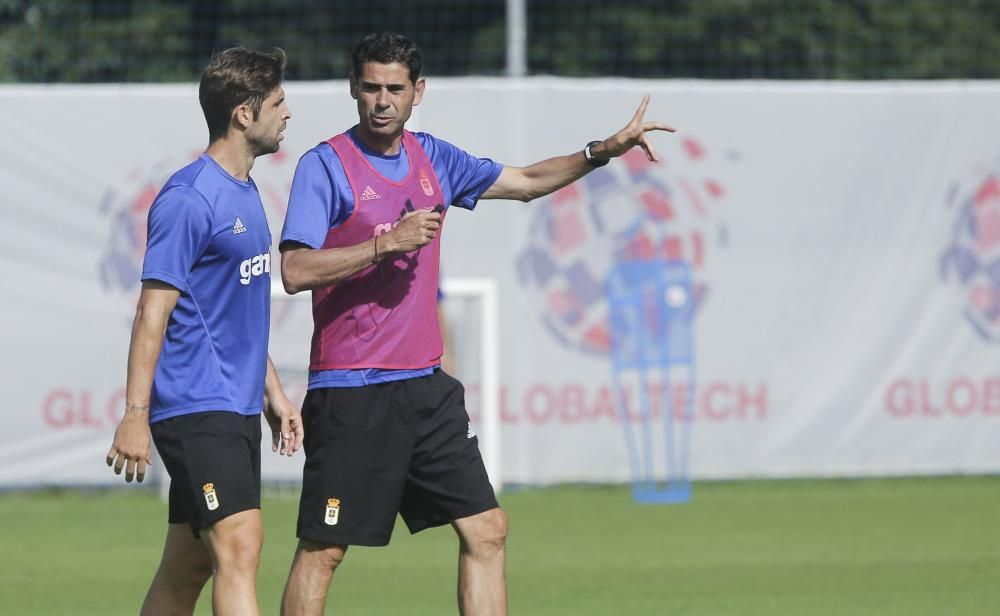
243 116
353 85
419 88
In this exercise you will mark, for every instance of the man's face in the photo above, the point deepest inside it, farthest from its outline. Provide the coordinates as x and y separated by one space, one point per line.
264 133
386 97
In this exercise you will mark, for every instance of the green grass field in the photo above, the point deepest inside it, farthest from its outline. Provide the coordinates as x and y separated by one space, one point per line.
838 547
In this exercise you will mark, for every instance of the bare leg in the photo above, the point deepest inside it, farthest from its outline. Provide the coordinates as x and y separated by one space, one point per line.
234 543
309 579
184 568
482 584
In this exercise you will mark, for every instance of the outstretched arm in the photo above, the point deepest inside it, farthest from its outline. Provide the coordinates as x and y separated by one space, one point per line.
548 176
131 445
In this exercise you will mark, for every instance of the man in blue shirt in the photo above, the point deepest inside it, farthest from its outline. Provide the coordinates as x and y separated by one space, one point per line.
198 371
387 431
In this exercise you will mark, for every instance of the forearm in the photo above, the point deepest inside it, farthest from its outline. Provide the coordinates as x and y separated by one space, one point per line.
143 353
544 177
283 418
305 269
272 385
547 176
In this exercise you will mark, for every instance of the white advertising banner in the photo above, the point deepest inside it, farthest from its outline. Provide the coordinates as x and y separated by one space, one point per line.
823 260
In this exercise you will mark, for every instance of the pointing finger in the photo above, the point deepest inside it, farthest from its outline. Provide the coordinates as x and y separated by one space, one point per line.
641 110
111 455
648 126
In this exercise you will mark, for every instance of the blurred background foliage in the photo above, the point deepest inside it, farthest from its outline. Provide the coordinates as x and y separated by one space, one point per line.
44 41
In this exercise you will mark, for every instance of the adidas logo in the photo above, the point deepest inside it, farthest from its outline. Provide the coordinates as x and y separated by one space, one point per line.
239 227
471 433
370 194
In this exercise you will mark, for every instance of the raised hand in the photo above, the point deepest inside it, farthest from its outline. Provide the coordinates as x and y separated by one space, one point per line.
635 134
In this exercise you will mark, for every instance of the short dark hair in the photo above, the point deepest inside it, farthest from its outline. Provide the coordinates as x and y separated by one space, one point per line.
387 48
236 76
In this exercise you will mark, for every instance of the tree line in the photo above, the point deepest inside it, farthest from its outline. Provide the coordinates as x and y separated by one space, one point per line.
171 40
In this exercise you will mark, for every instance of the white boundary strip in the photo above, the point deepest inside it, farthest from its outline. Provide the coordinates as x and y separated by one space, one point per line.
489 348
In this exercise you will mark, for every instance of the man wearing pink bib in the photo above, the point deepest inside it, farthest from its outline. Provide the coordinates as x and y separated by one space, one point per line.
387 432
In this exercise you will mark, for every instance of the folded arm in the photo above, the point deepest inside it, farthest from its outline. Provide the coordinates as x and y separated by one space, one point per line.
304 268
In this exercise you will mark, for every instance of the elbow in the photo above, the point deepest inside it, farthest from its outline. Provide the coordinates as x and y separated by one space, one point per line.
291 280
290 284
149 318
527 195
534 190
292 273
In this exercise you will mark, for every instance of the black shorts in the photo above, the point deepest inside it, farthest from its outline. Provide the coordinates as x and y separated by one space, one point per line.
402 447
213 460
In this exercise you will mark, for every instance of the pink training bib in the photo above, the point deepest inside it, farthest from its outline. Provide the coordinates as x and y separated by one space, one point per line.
384 316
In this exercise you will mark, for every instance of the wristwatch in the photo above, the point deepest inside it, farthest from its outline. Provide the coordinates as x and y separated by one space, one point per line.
589 155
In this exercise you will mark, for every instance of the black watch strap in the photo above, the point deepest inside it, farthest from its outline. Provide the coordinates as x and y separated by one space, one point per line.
589 155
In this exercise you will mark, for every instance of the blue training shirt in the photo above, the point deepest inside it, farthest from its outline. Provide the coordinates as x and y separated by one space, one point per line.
208 237
321 199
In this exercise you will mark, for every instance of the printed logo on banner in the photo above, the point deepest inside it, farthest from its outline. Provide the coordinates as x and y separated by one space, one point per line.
971 260
618 264
630 211
126 205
